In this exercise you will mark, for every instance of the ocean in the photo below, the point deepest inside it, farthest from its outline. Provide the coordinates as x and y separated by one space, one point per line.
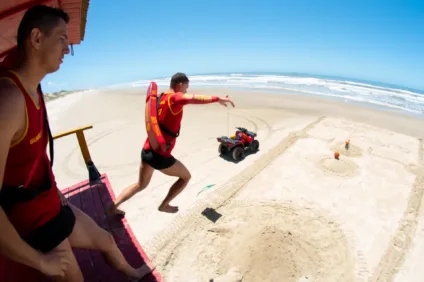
390 97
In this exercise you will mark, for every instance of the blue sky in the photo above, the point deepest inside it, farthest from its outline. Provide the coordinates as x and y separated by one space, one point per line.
373 40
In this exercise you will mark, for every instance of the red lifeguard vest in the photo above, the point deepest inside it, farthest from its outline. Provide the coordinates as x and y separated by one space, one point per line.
28 167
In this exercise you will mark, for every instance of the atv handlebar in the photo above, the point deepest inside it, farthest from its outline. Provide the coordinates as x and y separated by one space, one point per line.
247 132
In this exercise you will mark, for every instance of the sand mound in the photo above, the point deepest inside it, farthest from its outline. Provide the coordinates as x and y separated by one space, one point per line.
342 166
266 242
352 151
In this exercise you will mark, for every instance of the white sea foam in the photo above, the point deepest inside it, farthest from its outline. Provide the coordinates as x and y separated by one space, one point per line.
393 98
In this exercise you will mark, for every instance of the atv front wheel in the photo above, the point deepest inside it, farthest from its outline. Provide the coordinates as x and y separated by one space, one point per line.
238 153
255 145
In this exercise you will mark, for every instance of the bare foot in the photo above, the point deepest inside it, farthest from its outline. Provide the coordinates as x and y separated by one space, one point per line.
167 208
113 210
143 271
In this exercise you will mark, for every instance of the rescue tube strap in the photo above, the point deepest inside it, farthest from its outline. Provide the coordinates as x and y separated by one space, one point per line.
9 196
46 122
161 126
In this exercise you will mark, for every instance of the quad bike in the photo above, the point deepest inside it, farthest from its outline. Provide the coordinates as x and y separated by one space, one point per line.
236 146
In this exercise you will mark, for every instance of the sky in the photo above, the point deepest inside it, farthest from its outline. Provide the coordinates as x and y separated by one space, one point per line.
372 40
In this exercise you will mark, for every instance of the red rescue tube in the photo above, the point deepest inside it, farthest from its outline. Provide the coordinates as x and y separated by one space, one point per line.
154 134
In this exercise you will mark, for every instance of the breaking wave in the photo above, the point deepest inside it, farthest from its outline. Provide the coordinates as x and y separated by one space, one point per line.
378 95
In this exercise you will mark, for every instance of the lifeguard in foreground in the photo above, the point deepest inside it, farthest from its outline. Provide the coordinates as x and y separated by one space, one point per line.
39 226
163 129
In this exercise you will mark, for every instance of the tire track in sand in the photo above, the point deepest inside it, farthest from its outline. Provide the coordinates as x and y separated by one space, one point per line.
401 242
68 162
221 195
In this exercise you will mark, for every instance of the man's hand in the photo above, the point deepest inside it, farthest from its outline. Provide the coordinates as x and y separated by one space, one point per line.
224 101
55 263
63 199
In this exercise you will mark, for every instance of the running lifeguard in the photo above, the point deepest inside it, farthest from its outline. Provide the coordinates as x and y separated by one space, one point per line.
169 116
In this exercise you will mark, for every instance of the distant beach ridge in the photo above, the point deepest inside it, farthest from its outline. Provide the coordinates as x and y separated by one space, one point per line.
55 95
376 94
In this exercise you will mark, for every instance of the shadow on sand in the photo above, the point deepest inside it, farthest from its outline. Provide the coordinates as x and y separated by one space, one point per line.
211 214
229 158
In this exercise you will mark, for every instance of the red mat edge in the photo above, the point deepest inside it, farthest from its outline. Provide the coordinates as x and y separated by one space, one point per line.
105 179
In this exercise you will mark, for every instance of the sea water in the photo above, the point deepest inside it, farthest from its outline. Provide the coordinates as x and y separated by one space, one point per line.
380 95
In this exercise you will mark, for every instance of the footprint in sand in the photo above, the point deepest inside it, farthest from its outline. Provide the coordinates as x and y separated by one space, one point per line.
415 169
233 275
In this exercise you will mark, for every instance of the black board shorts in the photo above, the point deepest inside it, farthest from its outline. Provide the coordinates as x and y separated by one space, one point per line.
48 236
156 160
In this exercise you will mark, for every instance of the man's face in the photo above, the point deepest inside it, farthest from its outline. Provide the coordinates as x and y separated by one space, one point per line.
51 48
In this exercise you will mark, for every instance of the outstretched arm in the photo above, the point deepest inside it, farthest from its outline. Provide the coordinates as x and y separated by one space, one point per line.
180 100
12 114
185 99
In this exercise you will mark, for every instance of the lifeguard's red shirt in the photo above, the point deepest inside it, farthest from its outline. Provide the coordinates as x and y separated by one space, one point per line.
22 156
170 114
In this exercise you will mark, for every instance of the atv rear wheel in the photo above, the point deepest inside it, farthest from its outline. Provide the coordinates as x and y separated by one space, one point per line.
238 153
255 145
222 149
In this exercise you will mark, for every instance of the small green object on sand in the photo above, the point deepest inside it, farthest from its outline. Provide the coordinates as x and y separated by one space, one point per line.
205 188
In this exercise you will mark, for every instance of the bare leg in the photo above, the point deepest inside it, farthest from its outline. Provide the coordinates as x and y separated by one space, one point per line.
88 235
179 170
73 272
144 177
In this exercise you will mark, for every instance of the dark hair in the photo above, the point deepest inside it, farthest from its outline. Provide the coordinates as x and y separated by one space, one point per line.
177 78
42 17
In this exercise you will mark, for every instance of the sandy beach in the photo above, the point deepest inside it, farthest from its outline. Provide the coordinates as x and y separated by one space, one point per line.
290 212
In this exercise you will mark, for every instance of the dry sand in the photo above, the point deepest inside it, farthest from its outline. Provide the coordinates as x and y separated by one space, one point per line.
290 212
